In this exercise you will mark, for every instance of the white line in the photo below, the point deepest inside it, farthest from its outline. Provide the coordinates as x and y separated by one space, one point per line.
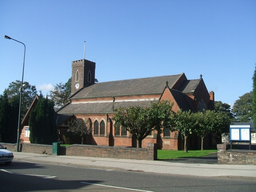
34 175
43 176
6 171
110 186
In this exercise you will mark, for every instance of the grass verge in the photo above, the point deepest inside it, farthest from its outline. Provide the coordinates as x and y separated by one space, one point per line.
167 154
64 145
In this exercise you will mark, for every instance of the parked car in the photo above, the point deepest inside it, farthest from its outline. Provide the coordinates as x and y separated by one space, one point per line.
6 156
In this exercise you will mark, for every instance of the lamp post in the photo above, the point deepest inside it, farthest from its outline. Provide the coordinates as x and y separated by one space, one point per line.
20 90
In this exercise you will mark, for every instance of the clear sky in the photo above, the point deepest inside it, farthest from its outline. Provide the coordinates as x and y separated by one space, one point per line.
131 39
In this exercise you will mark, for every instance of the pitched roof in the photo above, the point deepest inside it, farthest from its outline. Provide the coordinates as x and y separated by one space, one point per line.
189 86
31 107
100 107
181 100
61 118
142 86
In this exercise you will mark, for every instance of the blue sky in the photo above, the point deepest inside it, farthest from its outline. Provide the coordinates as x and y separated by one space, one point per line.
131 39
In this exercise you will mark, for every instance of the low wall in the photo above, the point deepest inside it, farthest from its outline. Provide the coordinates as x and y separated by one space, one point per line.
36 148
233 156
149 153
10 146
29 148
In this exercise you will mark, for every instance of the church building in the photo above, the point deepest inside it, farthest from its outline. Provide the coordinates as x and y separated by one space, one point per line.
96 102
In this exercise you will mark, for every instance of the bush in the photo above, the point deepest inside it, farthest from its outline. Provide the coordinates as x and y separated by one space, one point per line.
71 138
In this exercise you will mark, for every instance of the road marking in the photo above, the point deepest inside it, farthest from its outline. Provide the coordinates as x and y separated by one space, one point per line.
43 176
34 175
6 171
111 186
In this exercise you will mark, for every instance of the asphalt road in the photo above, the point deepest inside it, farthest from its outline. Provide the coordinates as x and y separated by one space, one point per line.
28 176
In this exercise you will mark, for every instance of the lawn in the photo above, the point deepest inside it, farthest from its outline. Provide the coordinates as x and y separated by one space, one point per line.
167 154
64 145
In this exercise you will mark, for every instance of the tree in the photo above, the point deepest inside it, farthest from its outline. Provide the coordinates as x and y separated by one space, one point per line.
184 122
254 98
242 108
224 107
8 119
60 94
28 94
78 125
42 124
141 121
210 122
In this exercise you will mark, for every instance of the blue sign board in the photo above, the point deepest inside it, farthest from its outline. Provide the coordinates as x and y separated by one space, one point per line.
240 133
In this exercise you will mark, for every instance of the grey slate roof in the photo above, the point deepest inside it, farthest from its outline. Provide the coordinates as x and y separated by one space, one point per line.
189 86
142 86
99 107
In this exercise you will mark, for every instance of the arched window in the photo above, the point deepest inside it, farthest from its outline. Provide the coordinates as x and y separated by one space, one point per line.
89 125
102 128
96 128
77 77
117 129
124 132
89 77
166 132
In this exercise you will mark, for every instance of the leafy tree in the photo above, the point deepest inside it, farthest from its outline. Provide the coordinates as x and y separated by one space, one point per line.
28 94
141 121
224 107
185 123
60 94
79 126
254 98
42 124
222 122
242 108
210 122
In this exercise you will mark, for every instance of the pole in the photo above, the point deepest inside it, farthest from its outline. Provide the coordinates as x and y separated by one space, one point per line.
20 90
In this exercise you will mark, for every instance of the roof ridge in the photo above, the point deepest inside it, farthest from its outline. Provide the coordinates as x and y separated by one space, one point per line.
140 78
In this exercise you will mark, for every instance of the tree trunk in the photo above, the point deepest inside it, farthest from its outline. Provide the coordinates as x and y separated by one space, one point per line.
139 143
82 140
185 144
202 142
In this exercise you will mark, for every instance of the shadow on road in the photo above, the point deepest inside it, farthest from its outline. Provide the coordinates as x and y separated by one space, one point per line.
21 183
20 165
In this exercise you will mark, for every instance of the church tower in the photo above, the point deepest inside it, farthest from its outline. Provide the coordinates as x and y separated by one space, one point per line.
83 74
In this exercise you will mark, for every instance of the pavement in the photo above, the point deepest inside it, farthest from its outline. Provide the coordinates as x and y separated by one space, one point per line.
203 167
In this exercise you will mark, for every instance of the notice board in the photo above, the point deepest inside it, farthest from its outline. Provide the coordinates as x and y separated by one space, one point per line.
240 133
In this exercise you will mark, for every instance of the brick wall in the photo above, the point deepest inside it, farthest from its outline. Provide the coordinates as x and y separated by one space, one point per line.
36 148
10 146
29 148
149 153
232 156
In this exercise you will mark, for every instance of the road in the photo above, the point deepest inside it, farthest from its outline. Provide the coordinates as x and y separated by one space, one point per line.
23 176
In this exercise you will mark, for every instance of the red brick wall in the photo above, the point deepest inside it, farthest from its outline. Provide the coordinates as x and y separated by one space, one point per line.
168 96
149 153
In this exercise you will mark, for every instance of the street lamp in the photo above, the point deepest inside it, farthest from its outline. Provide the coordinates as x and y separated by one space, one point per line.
18 130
